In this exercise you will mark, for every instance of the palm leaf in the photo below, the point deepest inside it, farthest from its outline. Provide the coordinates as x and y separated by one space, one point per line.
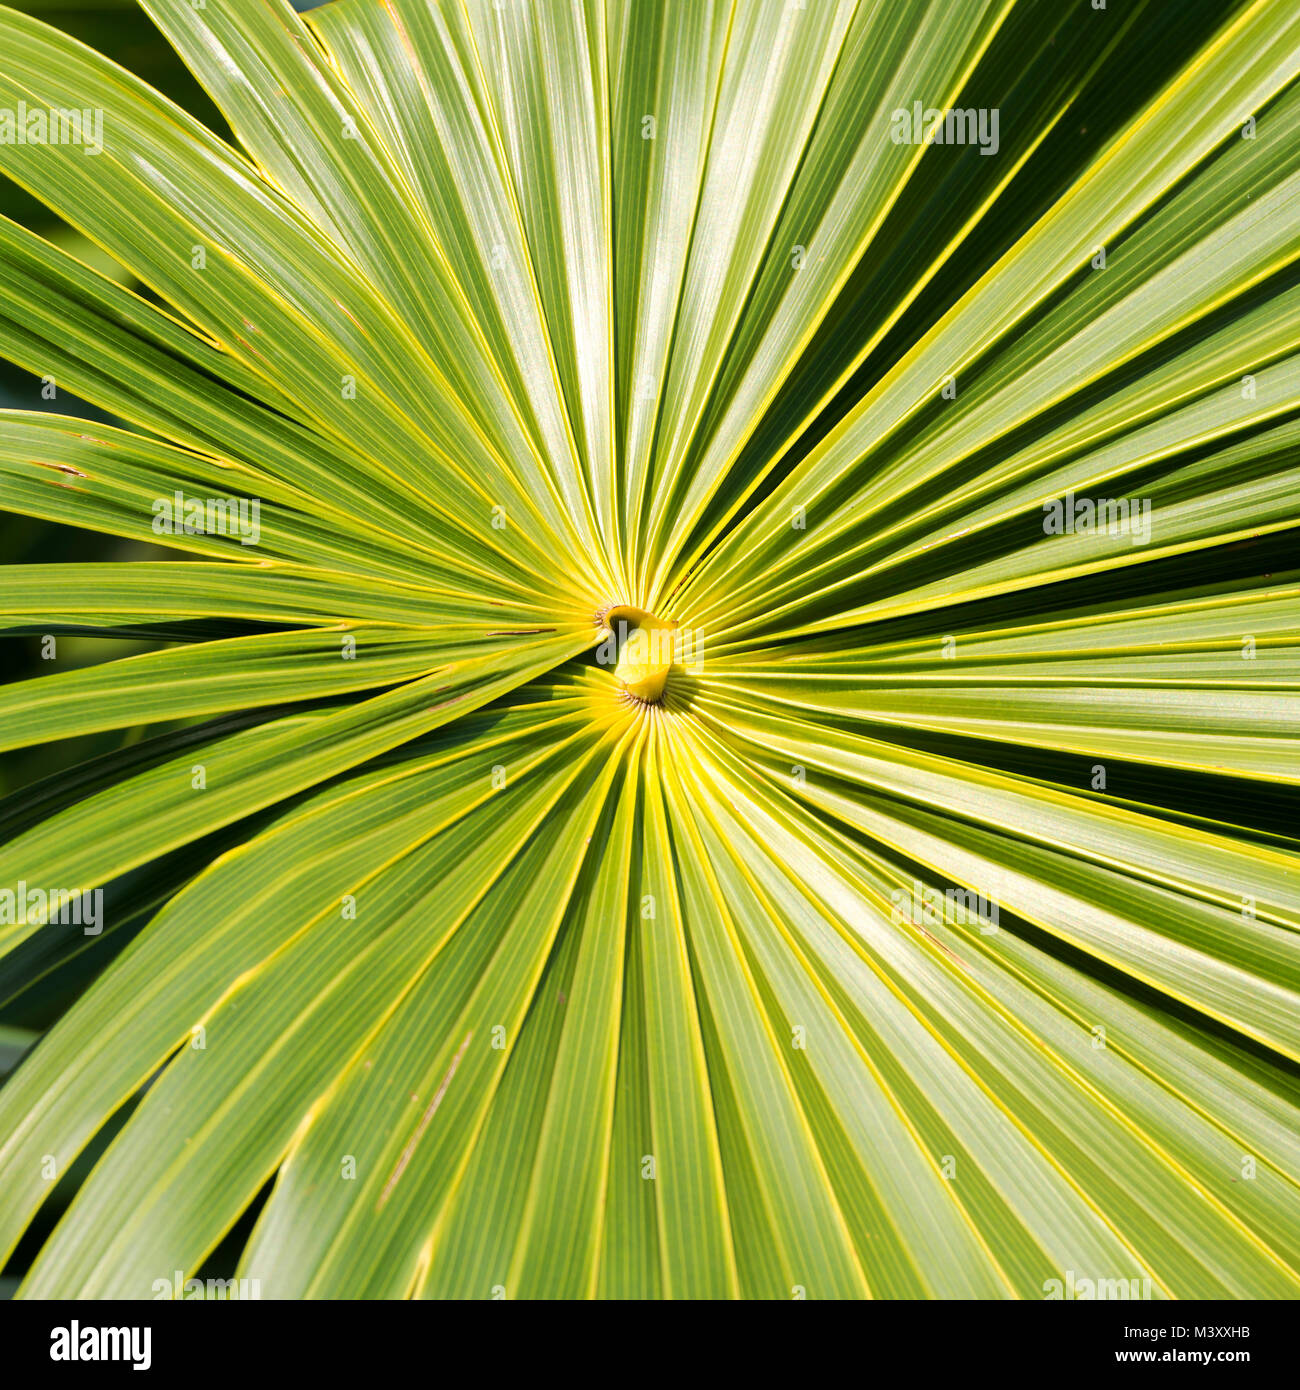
935 933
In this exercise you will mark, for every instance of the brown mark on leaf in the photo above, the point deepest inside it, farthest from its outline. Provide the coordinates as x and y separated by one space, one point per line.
424 1123
942 947
347 311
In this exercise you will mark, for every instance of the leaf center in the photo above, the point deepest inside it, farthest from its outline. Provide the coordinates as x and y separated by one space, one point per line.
641 647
